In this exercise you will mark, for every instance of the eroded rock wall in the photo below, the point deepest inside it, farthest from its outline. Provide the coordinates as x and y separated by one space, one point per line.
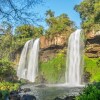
93 47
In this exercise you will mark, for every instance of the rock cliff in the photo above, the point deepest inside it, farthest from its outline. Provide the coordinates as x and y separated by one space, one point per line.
93 47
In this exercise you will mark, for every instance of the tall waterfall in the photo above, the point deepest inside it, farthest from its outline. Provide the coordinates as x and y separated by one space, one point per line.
33 62
28 64
74 59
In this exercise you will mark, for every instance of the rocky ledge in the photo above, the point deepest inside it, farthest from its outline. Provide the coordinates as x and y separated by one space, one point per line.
93 47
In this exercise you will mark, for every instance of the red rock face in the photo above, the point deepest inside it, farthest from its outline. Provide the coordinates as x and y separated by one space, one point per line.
47 42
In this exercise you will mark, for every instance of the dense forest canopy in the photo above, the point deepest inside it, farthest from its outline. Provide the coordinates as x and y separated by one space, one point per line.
89 11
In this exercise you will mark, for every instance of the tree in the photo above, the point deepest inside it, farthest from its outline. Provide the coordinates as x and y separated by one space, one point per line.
18 10
38 31
59 25
6 28
24 31
5 39
27 31
90 14
49 13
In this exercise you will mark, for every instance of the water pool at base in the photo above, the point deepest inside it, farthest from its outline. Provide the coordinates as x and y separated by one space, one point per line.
42 92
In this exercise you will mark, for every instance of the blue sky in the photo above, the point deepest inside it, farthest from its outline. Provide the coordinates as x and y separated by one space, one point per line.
59 7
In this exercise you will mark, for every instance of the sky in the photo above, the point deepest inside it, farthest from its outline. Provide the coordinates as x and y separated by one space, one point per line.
59 7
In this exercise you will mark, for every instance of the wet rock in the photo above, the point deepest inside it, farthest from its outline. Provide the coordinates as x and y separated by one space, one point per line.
70 98
86 77
66 98
26 90
28 97
57 98
14 95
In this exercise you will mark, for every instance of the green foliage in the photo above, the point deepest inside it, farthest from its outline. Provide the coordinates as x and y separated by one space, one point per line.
49 13
92 65
6 70
9 86
90 13
58 25
10 44
26 31
91 92
4 94
38 31
6 87
6 28
54 69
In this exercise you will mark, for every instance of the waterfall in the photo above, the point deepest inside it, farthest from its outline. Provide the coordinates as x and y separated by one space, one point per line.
74 59
28 63
21 71
33 62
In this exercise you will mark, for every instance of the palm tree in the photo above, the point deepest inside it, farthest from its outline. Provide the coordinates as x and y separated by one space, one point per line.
49 13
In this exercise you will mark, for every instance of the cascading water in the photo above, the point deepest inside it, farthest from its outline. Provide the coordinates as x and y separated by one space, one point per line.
74 59
33 62
28 64
22 68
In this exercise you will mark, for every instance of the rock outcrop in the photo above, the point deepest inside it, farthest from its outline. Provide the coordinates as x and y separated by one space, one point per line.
49 42
93 47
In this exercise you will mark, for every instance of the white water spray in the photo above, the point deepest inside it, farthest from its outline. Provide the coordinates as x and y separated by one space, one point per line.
74 59
21 71
33 62
28 64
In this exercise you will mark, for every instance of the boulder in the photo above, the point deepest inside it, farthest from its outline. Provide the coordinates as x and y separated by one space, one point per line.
28 97
14 95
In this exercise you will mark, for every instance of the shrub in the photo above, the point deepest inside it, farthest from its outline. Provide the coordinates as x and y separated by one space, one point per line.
9 86
91 92
6 70
6 87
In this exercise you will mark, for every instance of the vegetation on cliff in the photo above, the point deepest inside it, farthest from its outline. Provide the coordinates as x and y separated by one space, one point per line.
92 67
53 70
89 11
